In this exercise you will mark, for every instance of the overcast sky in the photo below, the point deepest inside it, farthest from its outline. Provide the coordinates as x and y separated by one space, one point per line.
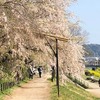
88 12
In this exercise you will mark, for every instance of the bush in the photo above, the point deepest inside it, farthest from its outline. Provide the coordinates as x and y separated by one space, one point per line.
95 73
87 73
93 69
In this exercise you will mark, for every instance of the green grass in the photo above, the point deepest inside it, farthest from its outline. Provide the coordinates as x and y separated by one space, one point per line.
71 92
6 92
10 90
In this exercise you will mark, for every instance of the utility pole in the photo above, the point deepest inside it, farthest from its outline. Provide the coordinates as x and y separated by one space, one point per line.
57 63
57 67
56 37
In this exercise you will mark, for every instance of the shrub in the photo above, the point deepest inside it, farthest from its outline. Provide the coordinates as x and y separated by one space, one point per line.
95 73
87 73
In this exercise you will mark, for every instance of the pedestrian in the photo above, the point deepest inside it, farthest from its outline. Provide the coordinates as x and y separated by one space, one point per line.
33 70
30 73
17 77
40 71
53 73
99 82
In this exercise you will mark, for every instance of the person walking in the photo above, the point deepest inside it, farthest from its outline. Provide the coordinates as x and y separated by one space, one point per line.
30 73
17 77
40 71
52 73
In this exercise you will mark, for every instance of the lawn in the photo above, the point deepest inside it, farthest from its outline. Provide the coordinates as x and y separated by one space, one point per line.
71 92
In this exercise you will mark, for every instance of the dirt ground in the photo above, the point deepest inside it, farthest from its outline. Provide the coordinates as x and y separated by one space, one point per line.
36 89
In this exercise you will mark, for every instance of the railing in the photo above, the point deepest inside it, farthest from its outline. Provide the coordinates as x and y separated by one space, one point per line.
6 85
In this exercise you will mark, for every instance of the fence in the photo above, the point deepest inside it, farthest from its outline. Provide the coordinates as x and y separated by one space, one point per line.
6 85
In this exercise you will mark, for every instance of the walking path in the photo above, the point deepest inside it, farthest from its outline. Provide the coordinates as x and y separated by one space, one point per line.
39 89
94 89
36 89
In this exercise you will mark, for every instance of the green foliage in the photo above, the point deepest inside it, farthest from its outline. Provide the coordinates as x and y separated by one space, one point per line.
87 73
4 93
10 90
98 70
71 92
95 73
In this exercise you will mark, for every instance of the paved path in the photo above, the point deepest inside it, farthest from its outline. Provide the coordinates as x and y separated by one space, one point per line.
94 89
37 89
